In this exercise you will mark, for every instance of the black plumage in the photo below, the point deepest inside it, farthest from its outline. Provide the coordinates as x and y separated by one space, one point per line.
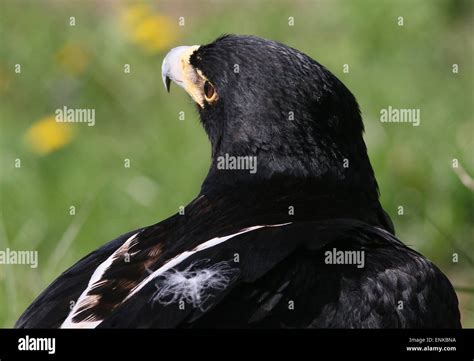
253 245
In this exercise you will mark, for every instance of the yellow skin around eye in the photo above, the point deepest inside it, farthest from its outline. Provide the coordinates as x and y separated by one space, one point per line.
194 79
214 96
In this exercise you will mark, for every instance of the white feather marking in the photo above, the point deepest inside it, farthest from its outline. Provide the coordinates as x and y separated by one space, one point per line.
91 301
84 299
192 283
82 324
181 257
99 272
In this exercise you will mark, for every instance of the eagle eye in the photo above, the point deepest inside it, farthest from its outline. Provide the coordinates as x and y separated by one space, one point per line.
209 91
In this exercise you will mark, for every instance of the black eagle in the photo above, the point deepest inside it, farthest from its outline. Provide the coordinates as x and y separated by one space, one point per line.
289 205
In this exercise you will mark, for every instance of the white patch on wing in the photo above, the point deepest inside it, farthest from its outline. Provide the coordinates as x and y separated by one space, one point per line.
181 257
86 300
192 283
91 301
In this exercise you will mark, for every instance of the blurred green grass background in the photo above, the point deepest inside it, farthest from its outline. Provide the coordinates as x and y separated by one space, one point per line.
82 66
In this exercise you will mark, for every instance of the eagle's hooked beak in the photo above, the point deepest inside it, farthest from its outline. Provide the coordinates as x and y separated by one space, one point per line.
176 68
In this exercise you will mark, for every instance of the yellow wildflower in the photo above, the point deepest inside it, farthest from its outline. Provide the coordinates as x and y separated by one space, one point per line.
47 135
134 13
151 31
